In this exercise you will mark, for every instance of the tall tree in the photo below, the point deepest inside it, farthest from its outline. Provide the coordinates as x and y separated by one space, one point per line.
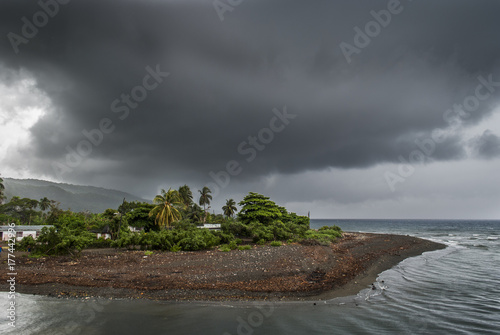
205 198
139 217
230 208
44 204
2 188
186 196
256 207
165 212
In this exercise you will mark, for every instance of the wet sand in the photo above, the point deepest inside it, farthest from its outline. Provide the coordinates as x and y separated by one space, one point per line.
289 272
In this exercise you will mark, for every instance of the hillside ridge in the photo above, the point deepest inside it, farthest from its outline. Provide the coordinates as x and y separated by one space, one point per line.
78 198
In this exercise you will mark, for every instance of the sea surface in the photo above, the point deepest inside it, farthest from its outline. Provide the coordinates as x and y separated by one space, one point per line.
451 291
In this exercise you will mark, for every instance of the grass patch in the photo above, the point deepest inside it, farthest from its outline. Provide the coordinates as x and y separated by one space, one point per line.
244 247
224 248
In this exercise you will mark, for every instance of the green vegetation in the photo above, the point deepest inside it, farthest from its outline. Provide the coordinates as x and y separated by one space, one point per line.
230 208
205 198
258 208
244 247
325 235
186 196
69 235
166 212
169 224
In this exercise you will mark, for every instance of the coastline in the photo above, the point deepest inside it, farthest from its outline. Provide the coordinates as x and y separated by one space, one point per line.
286 273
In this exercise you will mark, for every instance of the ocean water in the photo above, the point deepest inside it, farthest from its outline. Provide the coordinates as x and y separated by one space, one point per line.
451 291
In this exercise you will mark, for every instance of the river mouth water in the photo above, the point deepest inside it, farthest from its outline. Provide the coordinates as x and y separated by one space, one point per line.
454 290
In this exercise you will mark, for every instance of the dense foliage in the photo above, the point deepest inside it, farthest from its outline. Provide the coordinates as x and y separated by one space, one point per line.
185 238
69 235
170 224
258 208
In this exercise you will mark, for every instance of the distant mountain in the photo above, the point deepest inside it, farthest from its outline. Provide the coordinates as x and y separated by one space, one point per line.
75 197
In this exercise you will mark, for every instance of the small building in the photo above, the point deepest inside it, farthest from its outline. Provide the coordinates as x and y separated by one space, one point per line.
21 231
211 226
104 232
135 229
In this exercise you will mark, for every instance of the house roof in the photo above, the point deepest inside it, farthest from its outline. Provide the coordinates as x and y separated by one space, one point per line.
24 228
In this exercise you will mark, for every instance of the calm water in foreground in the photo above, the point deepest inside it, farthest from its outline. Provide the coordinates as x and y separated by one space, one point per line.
451 291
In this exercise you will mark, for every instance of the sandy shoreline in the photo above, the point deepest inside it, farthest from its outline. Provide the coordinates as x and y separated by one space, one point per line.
290 272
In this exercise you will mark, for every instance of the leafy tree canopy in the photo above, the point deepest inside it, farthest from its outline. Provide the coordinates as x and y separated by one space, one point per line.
229 208
185 195
165 210
256 207
68 236
139 217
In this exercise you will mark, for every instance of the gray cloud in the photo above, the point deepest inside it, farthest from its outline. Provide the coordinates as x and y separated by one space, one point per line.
226 78
486 145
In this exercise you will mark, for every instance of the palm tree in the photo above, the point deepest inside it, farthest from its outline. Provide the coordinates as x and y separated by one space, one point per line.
230 208
44 203
186 196
2 188
205 199
165 211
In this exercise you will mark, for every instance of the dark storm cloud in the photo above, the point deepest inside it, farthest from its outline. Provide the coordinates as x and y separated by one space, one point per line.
487 145
226 78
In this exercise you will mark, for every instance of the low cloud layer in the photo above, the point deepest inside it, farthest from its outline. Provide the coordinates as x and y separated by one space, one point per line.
487 145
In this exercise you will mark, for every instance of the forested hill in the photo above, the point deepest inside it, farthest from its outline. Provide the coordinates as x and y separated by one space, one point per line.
75 197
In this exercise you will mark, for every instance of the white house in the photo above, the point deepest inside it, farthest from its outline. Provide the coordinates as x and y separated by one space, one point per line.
211 226
135 229
21 231
104 232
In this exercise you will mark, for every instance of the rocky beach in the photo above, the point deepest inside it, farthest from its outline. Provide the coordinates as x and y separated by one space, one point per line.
289 272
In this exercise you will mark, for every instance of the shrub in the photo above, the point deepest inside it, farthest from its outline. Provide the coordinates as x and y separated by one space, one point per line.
26 243
233 245
68 236
261 232
324 236
126 240
244 247
236 228
276 244
224 248
223 236
175 248
330 228
148 253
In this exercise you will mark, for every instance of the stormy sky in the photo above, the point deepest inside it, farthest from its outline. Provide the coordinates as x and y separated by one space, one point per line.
347 109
